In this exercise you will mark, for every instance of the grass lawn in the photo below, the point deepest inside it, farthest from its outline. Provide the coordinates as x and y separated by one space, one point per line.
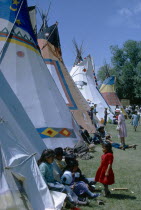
127 170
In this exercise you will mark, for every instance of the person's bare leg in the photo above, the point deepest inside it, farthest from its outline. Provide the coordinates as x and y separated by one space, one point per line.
106 190
122 140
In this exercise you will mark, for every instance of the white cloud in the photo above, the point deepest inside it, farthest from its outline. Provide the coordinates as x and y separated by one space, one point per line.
125 12
137 9
127 17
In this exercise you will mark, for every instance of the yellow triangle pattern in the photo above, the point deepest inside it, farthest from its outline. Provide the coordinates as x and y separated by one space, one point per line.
49 132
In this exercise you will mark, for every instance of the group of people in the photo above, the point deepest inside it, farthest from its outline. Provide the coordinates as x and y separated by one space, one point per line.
61 171
65 176
93 112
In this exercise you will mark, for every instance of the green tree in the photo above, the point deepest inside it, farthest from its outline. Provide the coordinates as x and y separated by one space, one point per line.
104 72
126 67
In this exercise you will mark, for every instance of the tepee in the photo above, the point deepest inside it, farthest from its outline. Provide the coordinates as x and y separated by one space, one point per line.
32 15
107 89
49 43
27 74
21 184
83 75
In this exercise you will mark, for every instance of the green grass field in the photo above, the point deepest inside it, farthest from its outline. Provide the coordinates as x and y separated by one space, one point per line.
127 170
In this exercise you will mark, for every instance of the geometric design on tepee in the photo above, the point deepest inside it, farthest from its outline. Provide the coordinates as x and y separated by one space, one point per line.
57 72
65 132
20 41
49 132
20 53
108 91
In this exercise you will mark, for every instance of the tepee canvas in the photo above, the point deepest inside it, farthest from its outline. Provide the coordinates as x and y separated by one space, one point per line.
83 76
107 89
20 144
49 43
27 74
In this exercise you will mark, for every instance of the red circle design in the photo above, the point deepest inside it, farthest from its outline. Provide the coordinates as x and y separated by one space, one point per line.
20 54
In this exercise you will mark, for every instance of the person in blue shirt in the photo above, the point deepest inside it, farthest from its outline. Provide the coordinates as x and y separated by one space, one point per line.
46 169
45 164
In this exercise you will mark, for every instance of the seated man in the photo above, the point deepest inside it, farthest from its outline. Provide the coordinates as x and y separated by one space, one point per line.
85 135
100 135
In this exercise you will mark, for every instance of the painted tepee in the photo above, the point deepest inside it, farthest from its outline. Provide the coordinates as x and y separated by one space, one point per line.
83 75
32 15
107 89
21 184
49 43
27 74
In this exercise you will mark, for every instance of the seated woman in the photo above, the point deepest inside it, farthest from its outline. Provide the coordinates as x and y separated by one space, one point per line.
71 178
46 169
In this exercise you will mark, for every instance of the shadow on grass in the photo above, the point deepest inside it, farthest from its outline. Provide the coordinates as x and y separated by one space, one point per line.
122 196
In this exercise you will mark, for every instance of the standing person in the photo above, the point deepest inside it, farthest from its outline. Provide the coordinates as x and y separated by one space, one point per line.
105 116
91 113
135 120
122 128
105 174
94 109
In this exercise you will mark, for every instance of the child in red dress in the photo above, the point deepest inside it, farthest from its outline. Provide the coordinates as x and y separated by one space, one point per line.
105 173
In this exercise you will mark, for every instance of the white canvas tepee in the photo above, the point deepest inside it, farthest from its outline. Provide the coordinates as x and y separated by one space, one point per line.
19 145
28 76
83 76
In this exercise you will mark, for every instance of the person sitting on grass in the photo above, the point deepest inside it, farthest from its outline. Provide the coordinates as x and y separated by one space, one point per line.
89 181
70 177
100 135
59 164
46 169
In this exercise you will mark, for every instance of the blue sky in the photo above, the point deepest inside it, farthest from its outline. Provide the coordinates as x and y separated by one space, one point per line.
96 23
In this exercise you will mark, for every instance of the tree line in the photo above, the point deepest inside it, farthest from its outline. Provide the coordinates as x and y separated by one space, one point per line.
126 67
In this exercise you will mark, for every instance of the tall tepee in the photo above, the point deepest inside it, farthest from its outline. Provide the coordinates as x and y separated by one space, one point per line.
21 184
27 74
83 75
49 42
